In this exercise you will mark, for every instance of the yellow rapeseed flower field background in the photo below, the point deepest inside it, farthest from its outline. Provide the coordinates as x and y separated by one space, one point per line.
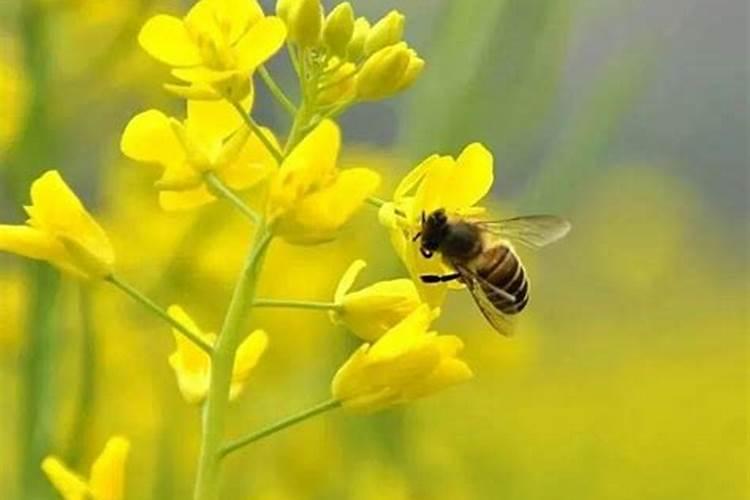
626 376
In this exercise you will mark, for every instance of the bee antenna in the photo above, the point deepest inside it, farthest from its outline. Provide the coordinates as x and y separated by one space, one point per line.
416 236
424 217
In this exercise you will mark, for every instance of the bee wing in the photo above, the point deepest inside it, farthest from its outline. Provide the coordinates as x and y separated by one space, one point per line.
478 287
534 231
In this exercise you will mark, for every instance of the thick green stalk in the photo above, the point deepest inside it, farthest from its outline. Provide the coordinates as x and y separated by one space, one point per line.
280 425
215 410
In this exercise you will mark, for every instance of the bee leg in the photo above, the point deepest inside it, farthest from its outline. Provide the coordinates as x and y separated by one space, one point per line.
436 278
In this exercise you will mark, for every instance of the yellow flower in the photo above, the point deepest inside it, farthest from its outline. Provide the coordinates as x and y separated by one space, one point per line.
192 365
407 363
372 311
106 480
456 185
218 42
60 231
311 199
213 138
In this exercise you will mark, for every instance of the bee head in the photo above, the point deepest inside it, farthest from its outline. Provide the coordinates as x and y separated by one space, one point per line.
434 229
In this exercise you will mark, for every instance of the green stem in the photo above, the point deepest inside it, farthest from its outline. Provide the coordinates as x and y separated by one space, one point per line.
280 425
257 131
297 304
217 187
88 380
156 309
215 409
277 92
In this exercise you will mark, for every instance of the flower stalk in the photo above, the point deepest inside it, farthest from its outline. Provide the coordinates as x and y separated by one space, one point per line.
296 304
215 410
277 92
257 131
318 409
159 311
222 190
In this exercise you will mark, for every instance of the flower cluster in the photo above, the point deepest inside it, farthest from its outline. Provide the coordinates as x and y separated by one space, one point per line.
294 189
350 59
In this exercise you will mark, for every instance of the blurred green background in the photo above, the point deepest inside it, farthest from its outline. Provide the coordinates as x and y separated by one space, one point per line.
628 378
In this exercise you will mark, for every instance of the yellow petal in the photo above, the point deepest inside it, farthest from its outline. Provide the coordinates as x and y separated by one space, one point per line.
210 122
470 179
310 164
247 357
69 484
449 372
253 164
194 91
409 183
108 472
175 201
58 211
31 243
405 333
193 386
260 42
203 75
192 357
372 311
182 176
347 280
165 38
319 216
435 185
149 137
238 15
54 205
190 364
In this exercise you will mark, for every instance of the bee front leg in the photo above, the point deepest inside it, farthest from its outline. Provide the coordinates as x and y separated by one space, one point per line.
437 278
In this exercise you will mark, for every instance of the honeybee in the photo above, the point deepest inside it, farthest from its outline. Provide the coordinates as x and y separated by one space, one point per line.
482 255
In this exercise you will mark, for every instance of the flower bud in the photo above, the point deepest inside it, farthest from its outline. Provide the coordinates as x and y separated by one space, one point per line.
304 20
344 90
338 28
382 73
356 48
413 70
388 31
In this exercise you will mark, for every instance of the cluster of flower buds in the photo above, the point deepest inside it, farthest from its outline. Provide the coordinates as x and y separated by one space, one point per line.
362 62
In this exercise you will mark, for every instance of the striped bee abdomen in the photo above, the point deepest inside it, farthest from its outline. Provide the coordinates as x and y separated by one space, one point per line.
501 267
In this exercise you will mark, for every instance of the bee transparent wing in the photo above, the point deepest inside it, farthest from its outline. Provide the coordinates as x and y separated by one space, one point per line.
534 231
478 287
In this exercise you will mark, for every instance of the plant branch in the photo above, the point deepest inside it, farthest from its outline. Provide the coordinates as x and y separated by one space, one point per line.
296 304
217 187
280 425
277 92
258 131
156 309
